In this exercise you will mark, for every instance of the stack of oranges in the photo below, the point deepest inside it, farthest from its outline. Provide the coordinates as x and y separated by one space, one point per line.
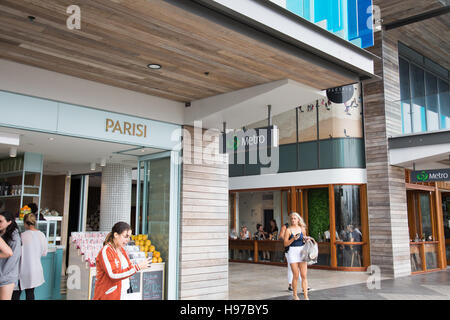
145 245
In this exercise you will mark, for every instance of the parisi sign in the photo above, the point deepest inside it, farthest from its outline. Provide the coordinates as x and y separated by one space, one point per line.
126 128
430 175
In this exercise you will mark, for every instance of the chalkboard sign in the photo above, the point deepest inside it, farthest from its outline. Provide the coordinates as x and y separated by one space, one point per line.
152 285
135 282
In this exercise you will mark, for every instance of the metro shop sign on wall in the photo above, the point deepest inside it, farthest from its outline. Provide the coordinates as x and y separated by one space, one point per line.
430 175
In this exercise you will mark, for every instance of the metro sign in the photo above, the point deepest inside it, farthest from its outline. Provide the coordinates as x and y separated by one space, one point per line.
430 175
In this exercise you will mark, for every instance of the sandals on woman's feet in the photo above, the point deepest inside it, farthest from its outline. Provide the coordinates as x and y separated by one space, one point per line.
295 298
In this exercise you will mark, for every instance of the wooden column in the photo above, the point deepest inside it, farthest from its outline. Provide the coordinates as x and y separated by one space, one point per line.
442 258
364 225
293 199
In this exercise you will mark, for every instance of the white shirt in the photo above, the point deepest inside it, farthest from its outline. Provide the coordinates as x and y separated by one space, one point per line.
34 246
125 282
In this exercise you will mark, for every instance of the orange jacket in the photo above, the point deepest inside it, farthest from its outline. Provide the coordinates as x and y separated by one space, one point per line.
108 283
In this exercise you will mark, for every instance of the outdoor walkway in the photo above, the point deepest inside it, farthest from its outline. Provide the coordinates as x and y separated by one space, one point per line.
259 282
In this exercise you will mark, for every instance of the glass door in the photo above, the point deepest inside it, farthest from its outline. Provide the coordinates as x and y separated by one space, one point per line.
446 213
157 211
422 231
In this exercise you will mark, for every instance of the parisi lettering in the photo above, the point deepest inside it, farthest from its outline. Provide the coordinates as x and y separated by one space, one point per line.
126 128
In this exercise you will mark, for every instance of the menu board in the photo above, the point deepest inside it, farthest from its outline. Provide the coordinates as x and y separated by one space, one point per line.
152 285
92 287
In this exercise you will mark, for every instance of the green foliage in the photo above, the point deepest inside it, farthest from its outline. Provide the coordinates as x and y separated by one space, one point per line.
318 212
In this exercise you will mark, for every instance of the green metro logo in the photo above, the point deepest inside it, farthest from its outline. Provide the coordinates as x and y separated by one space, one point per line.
233 143
423 176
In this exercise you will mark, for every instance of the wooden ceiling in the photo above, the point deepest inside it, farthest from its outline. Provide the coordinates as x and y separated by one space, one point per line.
430 37
393 10
118 38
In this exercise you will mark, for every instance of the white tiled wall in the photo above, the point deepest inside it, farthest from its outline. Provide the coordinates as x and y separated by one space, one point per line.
115 200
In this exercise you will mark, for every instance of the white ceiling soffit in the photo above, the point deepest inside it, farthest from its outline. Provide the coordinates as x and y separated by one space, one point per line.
11 139
246 106
64 153
425 157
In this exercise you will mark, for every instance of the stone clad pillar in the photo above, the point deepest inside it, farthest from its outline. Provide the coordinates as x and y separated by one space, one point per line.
386 191
115 202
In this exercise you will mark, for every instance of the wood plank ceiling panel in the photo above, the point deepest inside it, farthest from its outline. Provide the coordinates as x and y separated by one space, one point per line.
429 37
118 38
393 10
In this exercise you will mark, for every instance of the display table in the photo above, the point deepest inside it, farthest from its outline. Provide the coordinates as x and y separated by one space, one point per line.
147 284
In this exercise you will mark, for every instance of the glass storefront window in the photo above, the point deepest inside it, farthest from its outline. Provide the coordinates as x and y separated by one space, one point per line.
265 208
424 94
446 221
349 255
348 226
405 94
418 99
416 260
431 89
431 256
157 207
259 207
423 245
425 211
444 104
348 214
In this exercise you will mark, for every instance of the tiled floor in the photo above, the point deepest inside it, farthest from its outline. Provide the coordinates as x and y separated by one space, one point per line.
258 282
249 281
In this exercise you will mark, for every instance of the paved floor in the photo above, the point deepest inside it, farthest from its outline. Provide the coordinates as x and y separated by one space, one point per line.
259 282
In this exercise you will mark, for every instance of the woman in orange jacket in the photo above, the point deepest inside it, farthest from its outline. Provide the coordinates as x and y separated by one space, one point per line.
113 265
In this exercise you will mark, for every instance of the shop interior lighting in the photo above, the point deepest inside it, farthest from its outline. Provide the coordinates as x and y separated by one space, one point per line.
93 166
69 174
13 152
103 162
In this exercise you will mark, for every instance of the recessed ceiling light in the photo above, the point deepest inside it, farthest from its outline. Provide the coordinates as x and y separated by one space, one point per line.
51 139
154 66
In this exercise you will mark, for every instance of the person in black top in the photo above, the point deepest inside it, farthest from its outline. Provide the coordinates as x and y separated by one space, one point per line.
261 235
273 231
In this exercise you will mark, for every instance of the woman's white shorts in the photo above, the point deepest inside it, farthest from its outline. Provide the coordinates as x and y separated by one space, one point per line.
294 254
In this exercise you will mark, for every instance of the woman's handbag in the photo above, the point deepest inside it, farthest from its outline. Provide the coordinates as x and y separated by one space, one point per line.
310 252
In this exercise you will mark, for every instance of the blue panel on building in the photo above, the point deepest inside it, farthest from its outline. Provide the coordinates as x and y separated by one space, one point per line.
348 19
